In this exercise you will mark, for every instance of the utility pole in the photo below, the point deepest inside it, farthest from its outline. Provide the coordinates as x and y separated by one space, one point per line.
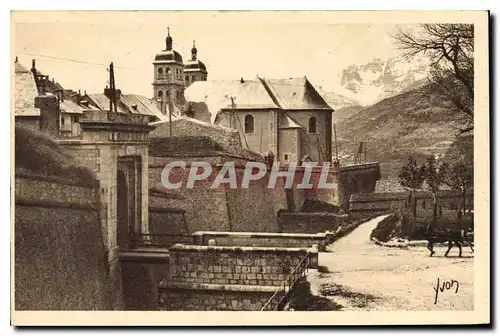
336 147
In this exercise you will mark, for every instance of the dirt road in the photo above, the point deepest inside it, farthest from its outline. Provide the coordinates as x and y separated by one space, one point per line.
359 275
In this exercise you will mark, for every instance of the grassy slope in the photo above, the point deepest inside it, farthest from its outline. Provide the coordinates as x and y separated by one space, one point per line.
36 153
346 112
394 128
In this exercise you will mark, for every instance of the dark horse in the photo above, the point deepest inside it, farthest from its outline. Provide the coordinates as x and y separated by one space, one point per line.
452 236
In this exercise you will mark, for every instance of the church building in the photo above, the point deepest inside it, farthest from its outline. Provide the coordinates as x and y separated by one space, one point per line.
287 117
172 76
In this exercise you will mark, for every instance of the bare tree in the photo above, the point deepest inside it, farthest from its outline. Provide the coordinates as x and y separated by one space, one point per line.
435 176
411 178
460 156
450 48
461 178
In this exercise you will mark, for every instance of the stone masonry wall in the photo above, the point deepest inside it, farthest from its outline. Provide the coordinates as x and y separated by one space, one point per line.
223 208
60 257
182 299
261 239
232 265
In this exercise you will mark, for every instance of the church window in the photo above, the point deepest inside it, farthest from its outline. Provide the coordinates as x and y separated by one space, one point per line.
249 123
193 78
187 78
312 125
160 71
167 70
160 94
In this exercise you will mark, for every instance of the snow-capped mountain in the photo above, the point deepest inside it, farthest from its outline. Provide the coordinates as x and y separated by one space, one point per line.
371 82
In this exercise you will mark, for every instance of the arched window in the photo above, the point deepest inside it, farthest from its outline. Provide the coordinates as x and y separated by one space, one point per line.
312 125
167 70
187 78
160 71
193 78
249 123
160 94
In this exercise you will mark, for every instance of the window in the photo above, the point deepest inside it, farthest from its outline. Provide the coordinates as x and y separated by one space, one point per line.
167 70
286 156
249 123
312 125
160 94
160 71
187 78
63 120
75 119
193 78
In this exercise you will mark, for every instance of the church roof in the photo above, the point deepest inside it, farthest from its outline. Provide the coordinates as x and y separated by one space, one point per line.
25 93
287 94
195 65
168 56
216 94
296 94
288 122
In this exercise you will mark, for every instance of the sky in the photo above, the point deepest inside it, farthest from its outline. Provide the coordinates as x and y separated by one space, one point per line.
231 44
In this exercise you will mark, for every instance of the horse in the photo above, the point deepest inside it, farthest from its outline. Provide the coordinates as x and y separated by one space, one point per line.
452 236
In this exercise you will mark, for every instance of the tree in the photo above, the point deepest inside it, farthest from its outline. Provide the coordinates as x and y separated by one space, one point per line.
435 176
461 159
450 48
461 178
411 178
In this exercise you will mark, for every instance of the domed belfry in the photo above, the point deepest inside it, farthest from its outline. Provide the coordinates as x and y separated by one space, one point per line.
168 83
194 70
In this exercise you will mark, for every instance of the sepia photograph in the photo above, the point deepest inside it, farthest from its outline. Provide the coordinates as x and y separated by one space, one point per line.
167 163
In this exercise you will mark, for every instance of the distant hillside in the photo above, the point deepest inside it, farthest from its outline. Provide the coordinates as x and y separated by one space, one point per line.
346 112
394 128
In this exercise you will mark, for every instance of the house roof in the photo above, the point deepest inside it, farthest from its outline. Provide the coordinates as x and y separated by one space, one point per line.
25 93
296 94
101 101
69 106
